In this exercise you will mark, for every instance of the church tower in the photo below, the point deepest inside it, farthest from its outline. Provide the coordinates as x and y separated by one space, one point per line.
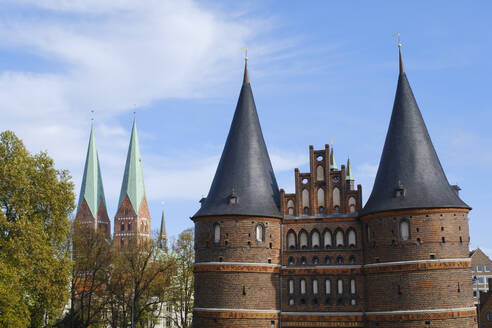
237 231
132 220
162 240
91 209
415 231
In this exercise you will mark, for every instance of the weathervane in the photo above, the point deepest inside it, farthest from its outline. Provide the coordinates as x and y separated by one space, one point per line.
399 41
245 53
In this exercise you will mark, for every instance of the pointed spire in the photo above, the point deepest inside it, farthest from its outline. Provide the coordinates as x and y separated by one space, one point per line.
92 190
162 232
133 181
244 183
333 161
246 74
349 175
402 68
410 174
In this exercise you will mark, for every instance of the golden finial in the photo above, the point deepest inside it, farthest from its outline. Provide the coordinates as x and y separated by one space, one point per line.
331 140
399 41
246 75
402 68
245 53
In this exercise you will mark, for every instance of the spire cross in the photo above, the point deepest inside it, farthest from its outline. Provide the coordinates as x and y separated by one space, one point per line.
245 53
399 41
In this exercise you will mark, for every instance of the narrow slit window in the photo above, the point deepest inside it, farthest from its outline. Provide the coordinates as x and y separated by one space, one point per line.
404 230
327 286
216 233
303 286
315 287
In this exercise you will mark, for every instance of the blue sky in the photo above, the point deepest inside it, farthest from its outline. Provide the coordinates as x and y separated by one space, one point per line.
319 70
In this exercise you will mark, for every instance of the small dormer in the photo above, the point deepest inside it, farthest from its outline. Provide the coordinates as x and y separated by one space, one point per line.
400 190
456 189
202 201
233 198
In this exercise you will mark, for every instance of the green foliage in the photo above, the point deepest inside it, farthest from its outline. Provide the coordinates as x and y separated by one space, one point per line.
141 275
182 286
35 203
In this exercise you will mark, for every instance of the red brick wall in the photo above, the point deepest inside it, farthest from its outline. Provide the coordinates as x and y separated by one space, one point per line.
250 287
467 322
237 240
225 290
428 289
423 286
427 228
126 215
234 323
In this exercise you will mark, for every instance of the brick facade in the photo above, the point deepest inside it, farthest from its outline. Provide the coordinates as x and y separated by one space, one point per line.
485 307
324 265
128 224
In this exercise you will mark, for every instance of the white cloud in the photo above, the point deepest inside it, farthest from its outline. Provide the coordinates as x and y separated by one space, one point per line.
190 176
285 161
366 170
112 56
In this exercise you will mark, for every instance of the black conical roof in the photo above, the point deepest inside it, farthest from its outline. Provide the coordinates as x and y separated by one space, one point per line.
409 162
244 183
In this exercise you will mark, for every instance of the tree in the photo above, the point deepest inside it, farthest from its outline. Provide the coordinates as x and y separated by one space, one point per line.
140 278
35 202
182 284
91 273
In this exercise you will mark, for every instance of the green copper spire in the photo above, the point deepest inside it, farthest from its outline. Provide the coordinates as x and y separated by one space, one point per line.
333 161
349 175
133 181
92 187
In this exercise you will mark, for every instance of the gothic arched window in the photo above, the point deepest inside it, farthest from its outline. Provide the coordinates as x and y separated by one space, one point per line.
290 207
305 198
303 239
351 204
340 260
320 173
336 197
352 238
315 239
339 239
327 239
321 197
291 240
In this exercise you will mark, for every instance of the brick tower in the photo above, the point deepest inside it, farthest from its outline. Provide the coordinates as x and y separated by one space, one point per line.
132 220
415 231
237 231
91 209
